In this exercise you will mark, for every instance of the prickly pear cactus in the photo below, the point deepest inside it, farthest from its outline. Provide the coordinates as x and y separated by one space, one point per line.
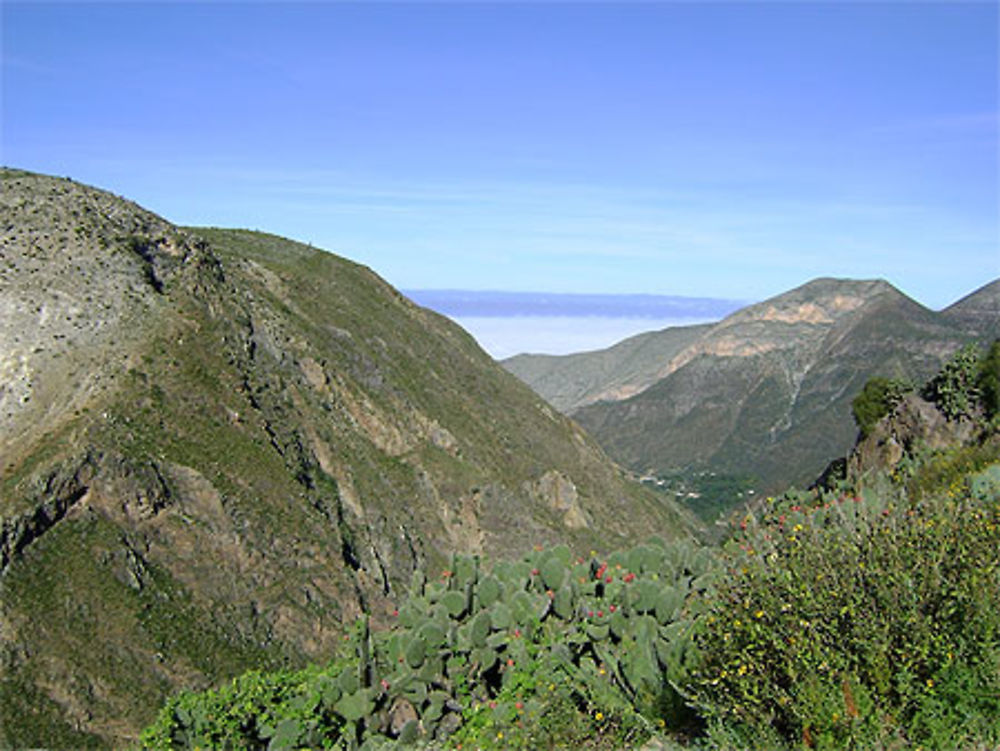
613 628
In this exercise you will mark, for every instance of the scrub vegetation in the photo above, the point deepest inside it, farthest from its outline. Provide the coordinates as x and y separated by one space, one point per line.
863 614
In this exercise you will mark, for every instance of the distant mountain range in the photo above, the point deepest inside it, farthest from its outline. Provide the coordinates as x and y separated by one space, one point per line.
765 393
492 304
219 447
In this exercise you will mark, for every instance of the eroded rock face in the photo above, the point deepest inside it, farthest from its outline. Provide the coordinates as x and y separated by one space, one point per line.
915 424
82 275
558 492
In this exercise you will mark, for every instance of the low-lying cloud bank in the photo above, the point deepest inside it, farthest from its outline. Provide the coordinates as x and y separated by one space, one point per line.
491 304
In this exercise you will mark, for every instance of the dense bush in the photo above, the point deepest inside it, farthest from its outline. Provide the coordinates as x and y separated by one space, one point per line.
857 622
955 389
877 399
988 380
946 472
256 710
968 385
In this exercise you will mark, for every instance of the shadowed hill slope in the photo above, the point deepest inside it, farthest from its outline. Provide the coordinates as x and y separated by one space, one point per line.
978 312
218 446
569 382
766 392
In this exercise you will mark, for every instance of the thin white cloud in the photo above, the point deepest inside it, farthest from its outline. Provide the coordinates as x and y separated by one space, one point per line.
571 235
30 65
962 122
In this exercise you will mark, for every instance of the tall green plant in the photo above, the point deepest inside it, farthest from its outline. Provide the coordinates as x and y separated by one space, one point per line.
955 389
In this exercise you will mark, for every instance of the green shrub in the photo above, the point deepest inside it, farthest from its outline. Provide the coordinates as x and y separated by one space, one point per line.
955 389
256 710
988 380
877 399
946 472
850 622
547 703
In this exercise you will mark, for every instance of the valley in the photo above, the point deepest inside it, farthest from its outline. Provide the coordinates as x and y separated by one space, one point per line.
499 376
251 495
766 392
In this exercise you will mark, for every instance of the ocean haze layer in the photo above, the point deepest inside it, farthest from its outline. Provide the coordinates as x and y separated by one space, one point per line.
511 323
504 337
491 304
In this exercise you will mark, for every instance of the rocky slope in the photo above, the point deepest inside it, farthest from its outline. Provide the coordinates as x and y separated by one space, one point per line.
766 392
217 447
915 426
569 382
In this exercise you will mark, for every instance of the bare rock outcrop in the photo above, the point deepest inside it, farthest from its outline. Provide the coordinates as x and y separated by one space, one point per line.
915 424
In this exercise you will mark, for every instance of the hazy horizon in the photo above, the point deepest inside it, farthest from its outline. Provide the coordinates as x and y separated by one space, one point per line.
507 323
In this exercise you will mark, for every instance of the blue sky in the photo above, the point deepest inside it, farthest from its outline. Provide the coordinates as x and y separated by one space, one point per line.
709 149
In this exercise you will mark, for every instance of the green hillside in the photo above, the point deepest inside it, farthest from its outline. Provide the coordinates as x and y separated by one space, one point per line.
219 447
569 382
863 614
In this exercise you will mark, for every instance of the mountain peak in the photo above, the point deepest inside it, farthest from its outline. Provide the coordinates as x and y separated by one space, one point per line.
825 285
766 391
820 301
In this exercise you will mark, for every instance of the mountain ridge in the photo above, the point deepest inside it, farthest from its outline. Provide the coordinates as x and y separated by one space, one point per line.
219 446
979 309
766 391
668 349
